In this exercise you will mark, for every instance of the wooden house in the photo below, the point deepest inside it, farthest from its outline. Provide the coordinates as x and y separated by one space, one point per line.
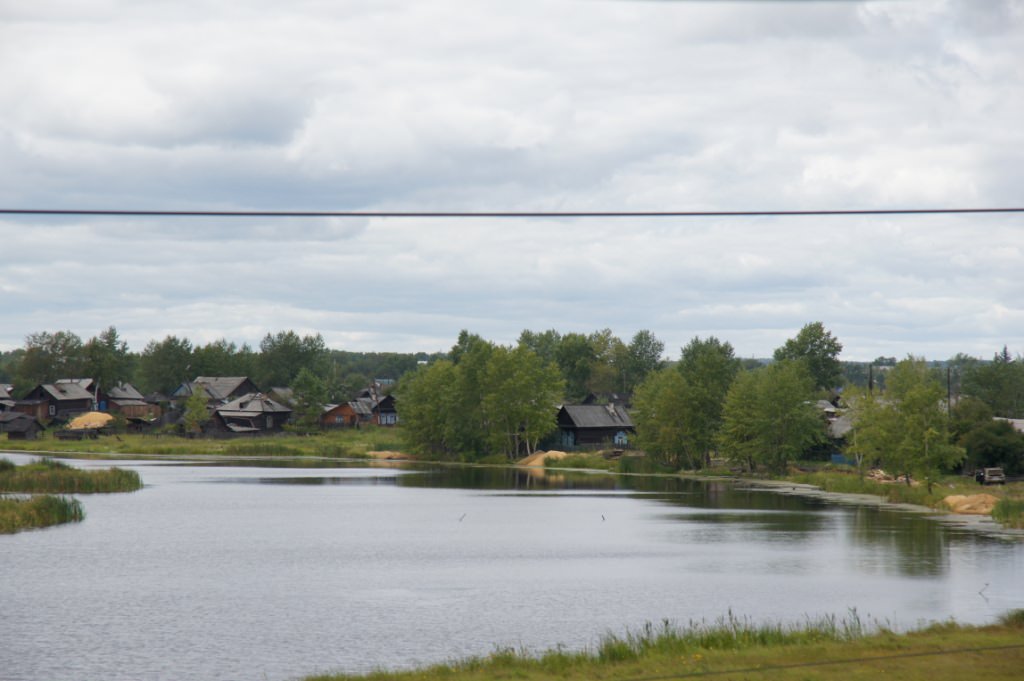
124 399
347 414
62 400
20 426
593 425
252 413
218 389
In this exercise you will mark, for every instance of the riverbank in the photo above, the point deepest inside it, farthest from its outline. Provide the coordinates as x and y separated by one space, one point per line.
823 651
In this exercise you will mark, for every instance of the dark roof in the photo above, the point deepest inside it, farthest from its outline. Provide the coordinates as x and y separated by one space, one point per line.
598 416
16 422
253 404
124 391
67 390
221 387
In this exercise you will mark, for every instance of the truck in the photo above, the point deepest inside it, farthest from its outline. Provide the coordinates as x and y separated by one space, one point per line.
990 476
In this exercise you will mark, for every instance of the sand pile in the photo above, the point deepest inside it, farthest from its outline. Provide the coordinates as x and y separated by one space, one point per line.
387 455
538 458
971 504
92 419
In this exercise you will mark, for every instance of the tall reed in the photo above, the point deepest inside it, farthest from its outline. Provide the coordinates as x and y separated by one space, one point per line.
54 477
38 511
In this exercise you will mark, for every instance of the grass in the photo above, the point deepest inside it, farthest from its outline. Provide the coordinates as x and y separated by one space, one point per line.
52 477
732 648
347 443
38 511
593 460
1009 512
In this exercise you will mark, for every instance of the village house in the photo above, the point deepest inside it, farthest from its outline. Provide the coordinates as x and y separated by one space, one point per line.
217 389
252 413
593 425
20 426
61 400
126 400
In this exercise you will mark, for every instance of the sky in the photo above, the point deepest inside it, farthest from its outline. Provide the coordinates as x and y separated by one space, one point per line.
489 105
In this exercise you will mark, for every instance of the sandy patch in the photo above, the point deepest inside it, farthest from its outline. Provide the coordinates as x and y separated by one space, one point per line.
538 458
387 455
971 504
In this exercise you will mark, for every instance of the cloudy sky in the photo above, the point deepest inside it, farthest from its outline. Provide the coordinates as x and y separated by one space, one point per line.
553 105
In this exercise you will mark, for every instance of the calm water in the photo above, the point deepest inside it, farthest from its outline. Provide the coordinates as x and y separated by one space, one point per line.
215 572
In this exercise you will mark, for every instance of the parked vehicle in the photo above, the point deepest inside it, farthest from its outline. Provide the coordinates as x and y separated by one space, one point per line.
990 476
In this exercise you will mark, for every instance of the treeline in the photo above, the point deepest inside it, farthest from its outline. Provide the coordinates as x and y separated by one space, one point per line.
919 419
163 365
486 399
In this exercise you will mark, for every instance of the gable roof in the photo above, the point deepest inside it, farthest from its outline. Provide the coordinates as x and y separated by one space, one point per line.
598 416
253 404
124 391
16 422
221 387
67 390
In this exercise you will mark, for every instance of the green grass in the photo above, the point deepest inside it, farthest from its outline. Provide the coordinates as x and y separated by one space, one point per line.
589 460
52 477
342 443
38 511
1009 512
733 648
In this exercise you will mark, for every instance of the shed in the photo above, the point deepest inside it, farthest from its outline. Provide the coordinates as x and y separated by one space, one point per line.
20 426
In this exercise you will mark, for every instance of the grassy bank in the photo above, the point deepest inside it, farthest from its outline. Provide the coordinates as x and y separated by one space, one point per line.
824 650
349 443
52 477
36 512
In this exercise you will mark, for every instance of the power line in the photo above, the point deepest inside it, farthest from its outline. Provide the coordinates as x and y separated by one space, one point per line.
499 214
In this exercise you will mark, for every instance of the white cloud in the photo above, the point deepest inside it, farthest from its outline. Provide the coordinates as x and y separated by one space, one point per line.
514 106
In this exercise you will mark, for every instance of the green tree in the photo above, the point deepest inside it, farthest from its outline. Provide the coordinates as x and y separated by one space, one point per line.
576 357
223 358
285 353
49 357
310 395
106 359
999 383
659 405
544 343
196 414
819 349
609 364
521 400
994 444
643 355
709 368
907 429
164 365
428 401
769 418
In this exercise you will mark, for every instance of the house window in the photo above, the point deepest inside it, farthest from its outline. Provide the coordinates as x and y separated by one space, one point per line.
53 410
270 422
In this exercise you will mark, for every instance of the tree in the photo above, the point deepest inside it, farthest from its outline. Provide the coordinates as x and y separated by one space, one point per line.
544 343
575 359
49 357
709 368
284 354
196 414
659 405
106 359
521 400
310 395
164 365
769 418
642 356
907 430
427 396
815 346
999 383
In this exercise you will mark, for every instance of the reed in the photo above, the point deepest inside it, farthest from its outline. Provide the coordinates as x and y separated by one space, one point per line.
38 511
1010 512
53 477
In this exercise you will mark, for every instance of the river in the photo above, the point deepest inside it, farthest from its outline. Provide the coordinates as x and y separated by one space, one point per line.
242 572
